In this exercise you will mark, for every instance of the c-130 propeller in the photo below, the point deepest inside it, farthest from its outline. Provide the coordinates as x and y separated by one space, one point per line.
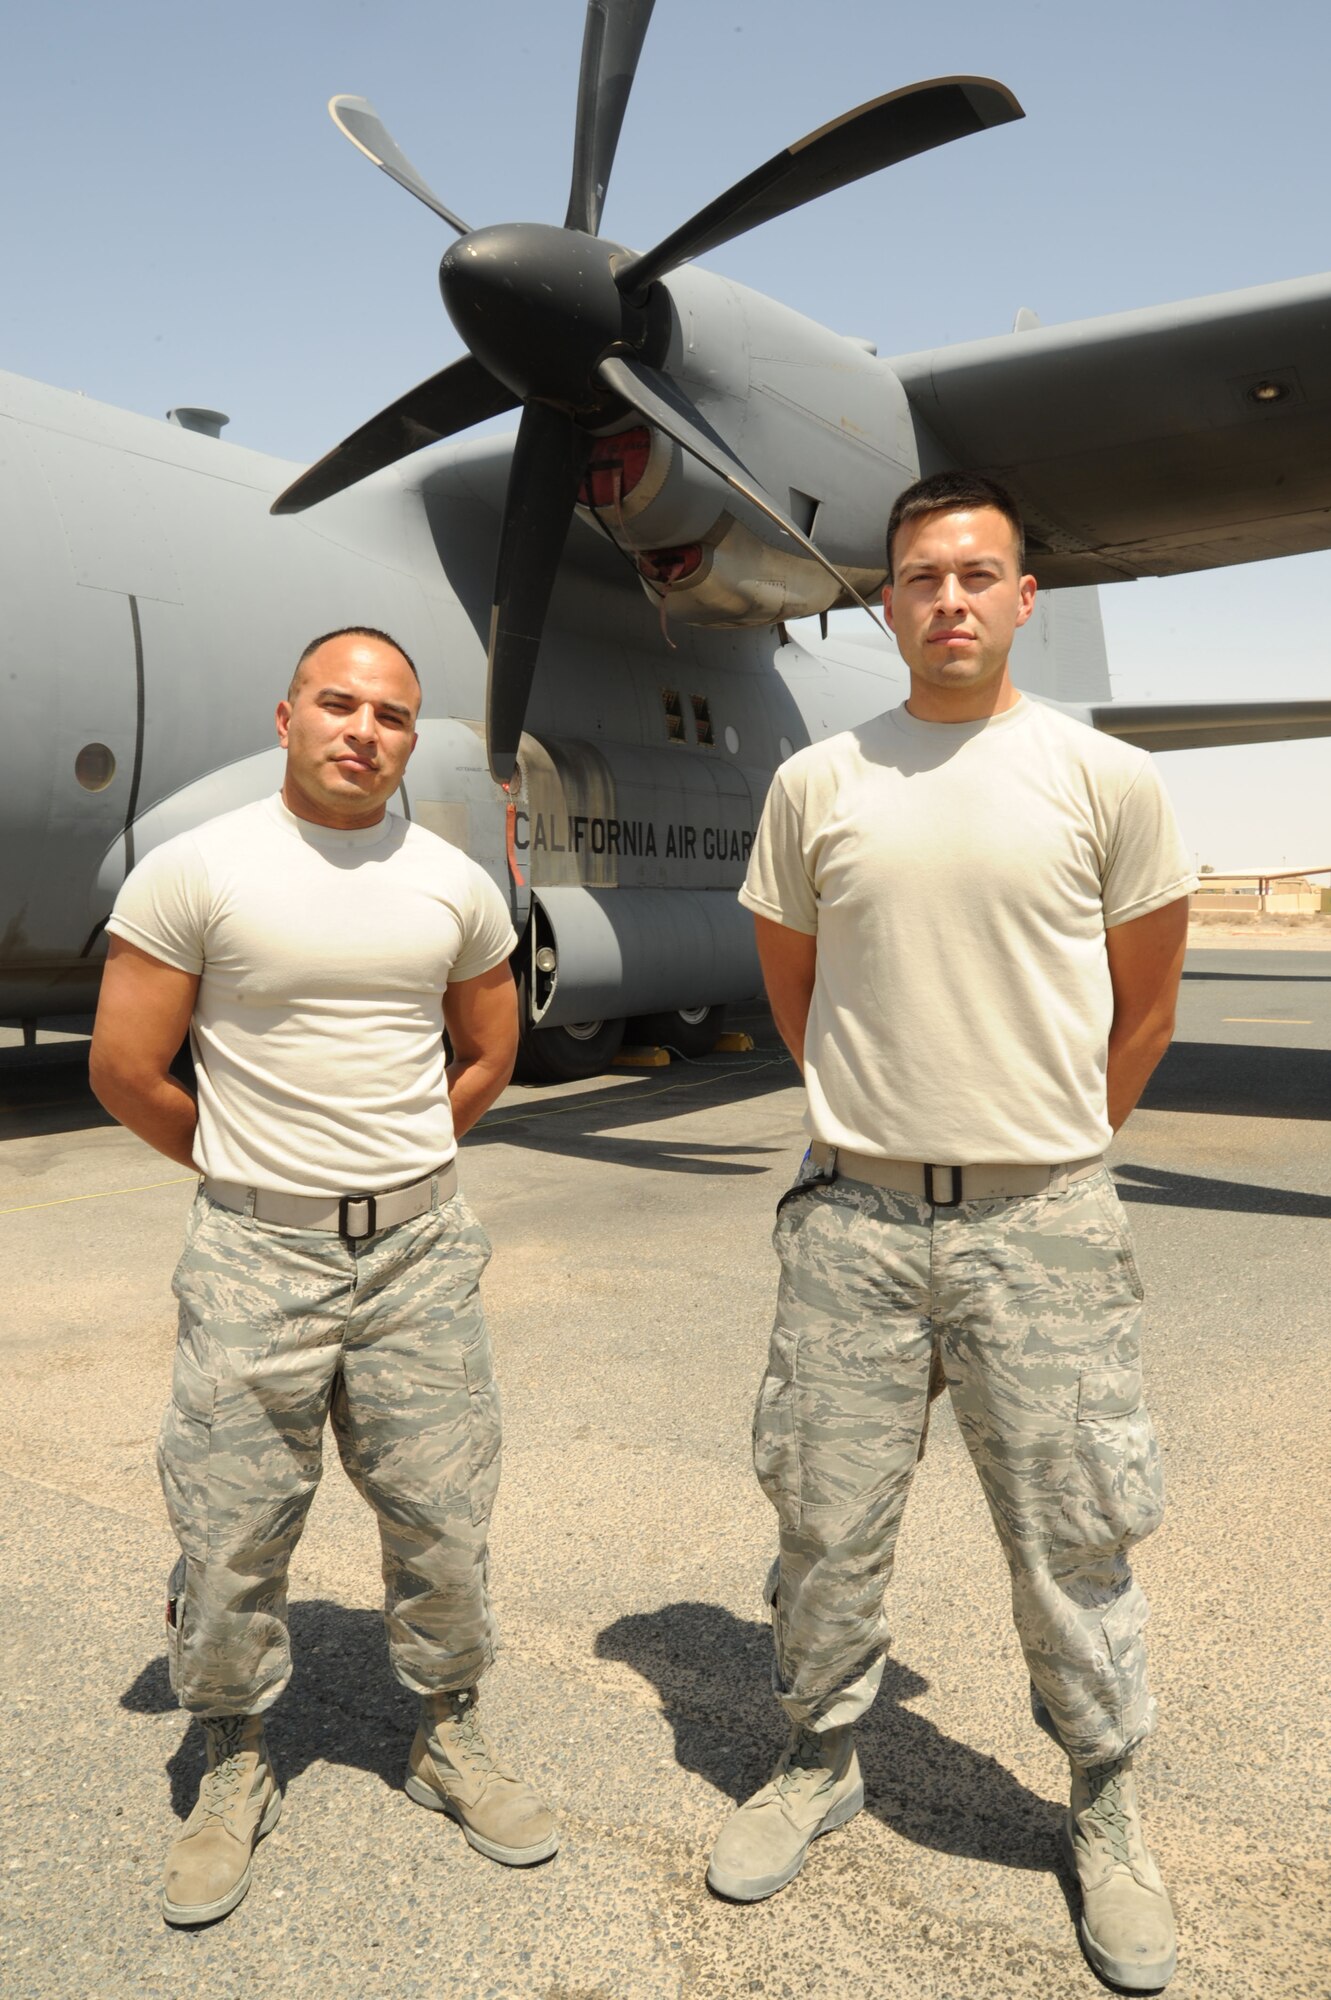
574 329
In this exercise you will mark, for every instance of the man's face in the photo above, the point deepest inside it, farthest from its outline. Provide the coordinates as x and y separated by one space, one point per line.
348 729
957 597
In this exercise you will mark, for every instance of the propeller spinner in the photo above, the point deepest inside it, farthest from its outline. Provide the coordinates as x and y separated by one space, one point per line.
574 329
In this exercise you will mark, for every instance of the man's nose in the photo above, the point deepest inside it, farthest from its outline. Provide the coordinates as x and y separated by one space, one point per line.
363 724
951 596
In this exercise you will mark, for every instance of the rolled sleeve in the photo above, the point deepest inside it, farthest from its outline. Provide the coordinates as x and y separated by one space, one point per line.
1147 865
490 937
779 884
163 906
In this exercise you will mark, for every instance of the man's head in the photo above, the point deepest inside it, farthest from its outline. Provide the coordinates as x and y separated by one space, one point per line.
957 593
348 726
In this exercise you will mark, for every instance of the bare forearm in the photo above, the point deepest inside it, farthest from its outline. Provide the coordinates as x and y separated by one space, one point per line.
1133 1054
158 1110
473 1087
1145 966
791 1015
789 961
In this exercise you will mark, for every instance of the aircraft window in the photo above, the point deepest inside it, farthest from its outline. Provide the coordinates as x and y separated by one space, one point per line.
786 747
732 739
94 767
674 715
702 718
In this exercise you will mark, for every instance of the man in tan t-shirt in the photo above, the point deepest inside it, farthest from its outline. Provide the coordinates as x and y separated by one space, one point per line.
315 945
971 915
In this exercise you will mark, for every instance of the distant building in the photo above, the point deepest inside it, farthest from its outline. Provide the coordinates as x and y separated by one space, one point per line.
1284 892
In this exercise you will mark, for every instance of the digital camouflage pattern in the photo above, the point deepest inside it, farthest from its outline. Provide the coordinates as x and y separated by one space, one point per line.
1033 1307
281 1329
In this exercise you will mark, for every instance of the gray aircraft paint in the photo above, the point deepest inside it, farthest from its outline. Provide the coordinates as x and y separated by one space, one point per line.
148 603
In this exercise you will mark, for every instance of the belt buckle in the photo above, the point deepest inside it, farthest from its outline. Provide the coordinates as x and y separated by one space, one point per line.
344 1229
954 1200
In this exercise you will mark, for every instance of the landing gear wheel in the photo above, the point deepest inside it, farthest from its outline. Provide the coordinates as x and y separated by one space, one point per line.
691 1031
569 1054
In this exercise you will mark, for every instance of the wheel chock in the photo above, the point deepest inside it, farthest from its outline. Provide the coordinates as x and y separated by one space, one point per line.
736 1043
642 1058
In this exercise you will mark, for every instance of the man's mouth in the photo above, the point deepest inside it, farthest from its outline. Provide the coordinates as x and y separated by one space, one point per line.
355 764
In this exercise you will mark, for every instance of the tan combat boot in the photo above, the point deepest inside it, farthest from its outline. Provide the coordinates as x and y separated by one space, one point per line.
208 1867
452 1769
1127 1925
815 1787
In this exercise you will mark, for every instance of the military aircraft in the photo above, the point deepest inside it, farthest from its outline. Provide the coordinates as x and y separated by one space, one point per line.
599 607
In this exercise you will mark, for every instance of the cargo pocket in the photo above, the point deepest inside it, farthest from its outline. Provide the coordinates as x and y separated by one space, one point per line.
775 1451
184 1448
1113 1495
484 1425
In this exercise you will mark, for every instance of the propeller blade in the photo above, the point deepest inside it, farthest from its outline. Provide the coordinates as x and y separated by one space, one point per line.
358 120
549 459
460 395
658 399
876 135
611 45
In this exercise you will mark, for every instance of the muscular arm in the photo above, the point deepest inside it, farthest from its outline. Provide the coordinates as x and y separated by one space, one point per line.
1145 966
481 1016
789 960
142 1018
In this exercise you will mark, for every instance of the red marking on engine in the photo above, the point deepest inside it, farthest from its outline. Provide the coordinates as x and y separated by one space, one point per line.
616 465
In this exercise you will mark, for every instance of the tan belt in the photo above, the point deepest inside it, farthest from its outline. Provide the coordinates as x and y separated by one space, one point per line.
353 1216
918 1178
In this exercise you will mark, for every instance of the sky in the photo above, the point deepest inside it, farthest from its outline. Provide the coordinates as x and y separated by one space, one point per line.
183 224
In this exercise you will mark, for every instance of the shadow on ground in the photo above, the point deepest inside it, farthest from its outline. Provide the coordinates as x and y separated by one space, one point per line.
711 1671
342 1706
1240 1079
591 1124
1258 978
1156 1187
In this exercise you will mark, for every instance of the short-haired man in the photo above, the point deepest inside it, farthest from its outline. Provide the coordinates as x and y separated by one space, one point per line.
315 945
971 915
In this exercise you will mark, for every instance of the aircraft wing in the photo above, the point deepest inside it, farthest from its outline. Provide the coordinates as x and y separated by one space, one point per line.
1147 443
1204 725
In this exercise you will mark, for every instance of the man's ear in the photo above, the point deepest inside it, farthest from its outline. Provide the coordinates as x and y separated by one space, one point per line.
283 719
887 606
1026 590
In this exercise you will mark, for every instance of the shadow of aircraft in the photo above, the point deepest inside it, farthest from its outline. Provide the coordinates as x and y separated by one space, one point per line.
1158 1188
1274 978
593 1124
1242 1079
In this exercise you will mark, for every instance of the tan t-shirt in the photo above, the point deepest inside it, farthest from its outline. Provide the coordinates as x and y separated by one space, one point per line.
324 956
959 879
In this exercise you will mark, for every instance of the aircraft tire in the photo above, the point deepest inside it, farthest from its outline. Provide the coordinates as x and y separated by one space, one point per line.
690 1031
567 1055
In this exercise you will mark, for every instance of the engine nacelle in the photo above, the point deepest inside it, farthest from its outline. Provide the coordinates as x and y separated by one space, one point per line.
822 425
738 579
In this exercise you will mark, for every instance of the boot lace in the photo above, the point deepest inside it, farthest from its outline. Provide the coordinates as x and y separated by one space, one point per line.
470 1738
220 1786
803 1766
1107 1812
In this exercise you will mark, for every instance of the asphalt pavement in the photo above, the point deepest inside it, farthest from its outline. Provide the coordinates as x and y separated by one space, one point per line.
629 1300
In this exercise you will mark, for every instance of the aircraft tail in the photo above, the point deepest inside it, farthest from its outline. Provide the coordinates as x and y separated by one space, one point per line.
1060 652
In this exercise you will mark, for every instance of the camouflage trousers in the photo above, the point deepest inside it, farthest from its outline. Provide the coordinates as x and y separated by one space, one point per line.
1032 1307
281 1329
